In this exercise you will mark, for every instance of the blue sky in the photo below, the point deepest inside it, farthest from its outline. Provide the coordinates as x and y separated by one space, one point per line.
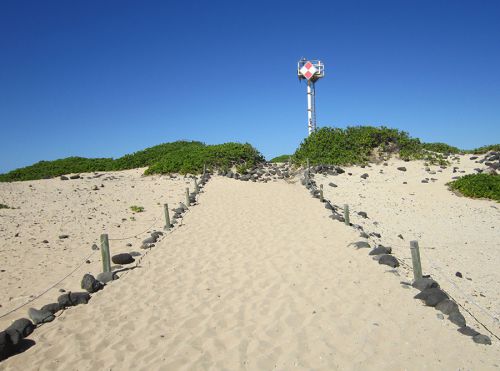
104 78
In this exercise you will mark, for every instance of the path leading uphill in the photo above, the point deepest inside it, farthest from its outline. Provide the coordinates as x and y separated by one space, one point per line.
257 278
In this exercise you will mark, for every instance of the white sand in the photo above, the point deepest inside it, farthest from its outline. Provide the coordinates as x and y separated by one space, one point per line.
455 234
257 278
50 208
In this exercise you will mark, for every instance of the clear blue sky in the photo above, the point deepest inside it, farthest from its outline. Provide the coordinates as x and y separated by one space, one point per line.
104 78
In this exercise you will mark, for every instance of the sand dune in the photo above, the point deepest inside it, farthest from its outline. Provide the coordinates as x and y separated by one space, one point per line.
456 234
51 208
257 277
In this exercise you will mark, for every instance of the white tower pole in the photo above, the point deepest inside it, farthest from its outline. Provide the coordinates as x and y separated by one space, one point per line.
311 125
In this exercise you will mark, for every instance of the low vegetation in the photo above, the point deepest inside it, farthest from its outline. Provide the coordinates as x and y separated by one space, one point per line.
485 149
282 158
176 157
137 209
3 206
441 148
360 144
478 186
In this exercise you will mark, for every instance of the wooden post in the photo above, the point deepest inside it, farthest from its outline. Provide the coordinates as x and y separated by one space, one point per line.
346 215
106 263
321 193
196 188
167 218
308 168
204 168
187 197
415 259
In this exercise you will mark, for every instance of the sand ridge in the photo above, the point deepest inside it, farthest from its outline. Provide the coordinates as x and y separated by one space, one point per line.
257 278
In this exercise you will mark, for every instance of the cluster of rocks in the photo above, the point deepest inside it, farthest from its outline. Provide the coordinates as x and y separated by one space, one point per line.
11 339
263 173
432 296
491 160
430 292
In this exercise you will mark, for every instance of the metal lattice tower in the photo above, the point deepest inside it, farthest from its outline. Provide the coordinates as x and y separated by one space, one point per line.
312 71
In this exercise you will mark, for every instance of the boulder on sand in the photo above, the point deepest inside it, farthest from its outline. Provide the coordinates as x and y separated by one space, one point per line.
124 258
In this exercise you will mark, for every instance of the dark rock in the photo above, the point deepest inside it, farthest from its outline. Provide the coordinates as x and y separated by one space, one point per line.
389 260
63 236
457 318
380 250
135 253
90 284
5 345
473 158
332 185
425 283
19 329
124 258
73 298
40 316
149 240
424 181
106 277
363 214
364 176
375 234
432 297
467 331
400 236
401 168
458 274
45 241
52 308
95 247
337 217
75 176
482 339
328 206
361 245
364 235
63 177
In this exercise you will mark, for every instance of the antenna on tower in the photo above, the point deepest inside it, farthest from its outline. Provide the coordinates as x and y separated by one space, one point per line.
311 70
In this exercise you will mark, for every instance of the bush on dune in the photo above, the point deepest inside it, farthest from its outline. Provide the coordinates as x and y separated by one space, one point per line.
176 157
441 148
51 169
282 158
355 145
478 186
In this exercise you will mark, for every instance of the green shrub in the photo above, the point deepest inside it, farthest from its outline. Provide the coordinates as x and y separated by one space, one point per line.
221 156
176 157
484 149
282 158
354 145
51 169
478 186
3 206
441 148
137 209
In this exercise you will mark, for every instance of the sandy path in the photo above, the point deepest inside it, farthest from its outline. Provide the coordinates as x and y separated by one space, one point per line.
46 209
257 278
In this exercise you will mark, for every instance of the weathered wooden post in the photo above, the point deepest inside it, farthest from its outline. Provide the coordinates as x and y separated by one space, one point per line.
346 215
106 263
196 188
321 193
415 259
187 197
167 218
204 168
308 168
